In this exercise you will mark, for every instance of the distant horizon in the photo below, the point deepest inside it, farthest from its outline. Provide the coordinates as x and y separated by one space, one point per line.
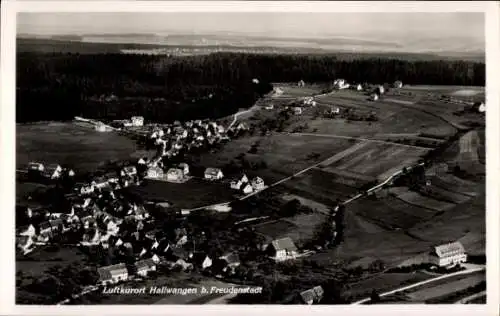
406 31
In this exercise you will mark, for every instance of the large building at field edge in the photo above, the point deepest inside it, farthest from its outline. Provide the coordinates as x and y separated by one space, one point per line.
448 254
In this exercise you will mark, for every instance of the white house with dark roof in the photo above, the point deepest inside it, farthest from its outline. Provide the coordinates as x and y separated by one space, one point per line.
448 254
247 188
239 181
113 273
137 120
258 183
24 243
154 173
282 249
175 174
314 295
213 174
53 171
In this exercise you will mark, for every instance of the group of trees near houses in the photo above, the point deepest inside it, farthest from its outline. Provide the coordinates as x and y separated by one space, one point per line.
59 86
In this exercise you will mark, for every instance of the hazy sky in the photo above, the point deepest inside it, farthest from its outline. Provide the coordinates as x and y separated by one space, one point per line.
389 25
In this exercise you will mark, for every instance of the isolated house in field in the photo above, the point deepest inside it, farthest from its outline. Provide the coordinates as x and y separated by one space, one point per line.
154 173
448 254
36 168
238 181
380 90
277 92
113 274
137 120
175 174
282 249
314 295
340 84
230 261
184 167
101 127
374 97
398 84
301 83
213 174
143 267
479 107
258 183
53 171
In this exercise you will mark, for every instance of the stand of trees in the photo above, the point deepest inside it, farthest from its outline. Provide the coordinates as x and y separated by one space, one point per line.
165 88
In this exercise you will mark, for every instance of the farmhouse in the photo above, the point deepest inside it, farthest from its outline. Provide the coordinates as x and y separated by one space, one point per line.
53 171
374 97
154 173
277 91
237 182
313 295
380 90
128 171
201 259
113 274
479 107
175 174
143 267
213 174
282 249
101 127
36 166
28 231
24 243
448 254
258 183
137 120
247 188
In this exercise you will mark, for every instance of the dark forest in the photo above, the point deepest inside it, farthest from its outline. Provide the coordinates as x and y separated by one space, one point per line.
60 86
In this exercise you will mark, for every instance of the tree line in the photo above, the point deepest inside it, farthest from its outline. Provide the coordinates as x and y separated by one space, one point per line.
59 86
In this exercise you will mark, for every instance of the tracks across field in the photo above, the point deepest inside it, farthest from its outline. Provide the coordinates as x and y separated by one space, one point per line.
355 138
408 287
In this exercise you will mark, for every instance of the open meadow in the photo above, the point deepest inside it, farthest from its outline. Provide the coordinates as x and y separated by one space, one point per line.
191 194
81 148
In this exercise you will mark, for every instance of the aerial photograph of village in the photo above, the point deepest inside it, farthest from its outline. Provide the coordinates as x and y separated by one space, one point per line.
250 158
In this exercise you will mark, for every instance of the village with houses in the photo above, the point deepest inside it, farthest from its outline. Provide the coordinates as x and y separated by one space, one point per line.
134 240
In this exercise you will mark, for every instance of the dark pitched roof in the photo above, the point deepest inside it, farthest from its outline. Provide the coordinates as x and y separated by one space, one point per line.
106 273
230 258
449 249
307 295
145 264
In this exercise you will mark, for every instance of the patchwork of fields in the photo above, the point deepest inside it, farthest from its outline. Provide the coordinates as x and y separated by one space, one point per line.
394 225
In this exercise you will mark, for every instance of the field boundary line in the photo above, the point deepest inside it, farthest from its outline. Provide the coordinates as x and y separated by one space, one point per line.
355 138
470 297
411 286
